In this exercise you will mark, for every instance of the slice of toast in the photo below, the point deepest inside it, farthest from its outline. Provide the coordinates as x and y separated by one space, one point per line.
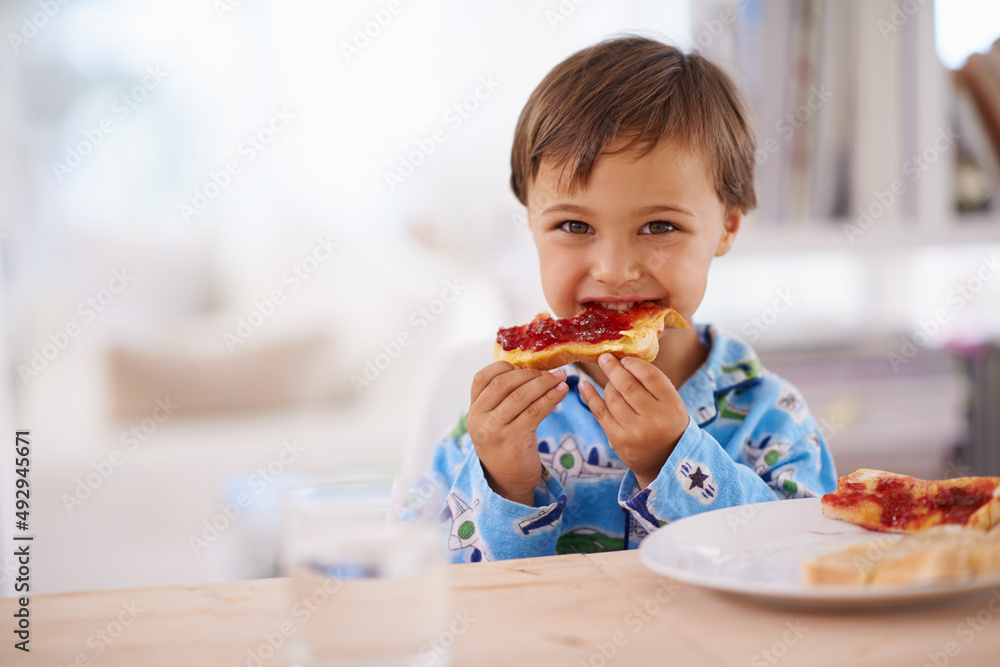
943 554
986 555
885 501
940 555
852 565
641 340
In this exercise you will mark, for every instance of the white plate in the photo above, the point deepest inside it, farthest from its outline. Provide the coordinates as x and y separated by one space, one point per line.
758 550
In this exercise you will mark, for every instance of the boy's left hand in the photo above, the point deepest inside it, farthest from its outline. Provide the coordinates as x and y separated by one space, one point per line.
641 413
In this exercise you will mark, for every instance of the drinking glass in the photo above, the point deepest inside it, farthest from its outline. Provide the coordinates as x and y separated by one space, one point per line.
367 572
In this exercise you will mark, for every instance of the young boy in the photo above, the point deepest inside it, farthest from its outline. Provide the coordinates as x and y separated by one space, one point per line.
635 162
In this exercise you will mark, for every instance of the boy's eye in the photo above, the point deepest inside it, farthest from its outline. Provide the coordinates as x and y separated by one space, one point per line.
575 227
657 227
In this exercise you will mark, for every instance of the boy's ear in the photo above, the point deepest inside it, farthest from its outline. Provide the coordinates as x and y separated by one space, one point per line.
730 227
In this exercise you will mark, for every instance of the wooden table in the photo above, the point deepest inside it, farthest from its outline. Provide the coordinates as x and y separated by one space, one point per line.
573 610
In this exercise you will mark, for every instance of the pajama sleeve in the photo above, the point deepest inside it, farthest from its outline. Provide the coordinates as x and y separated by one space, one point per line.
771 458
483 525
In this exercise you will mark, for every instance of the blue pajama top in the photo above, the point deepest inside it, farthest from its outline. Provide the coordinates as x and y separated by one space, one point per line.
750 438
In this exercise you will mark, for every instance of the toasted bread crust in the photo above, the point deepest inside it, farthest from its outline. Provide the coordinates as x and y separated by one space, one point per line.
641 341
865 514
987 516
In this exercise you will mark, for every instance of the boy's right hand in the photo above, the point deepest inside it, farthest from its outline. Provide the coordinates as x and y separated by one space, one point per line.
507 406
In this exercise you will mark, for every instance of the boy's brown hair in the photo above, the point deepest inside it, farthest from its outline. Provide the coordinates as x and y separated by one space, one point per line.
646 91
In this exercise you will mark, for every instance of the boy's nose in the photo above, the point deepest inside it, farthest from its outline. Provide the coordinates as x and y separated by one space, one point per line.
615 265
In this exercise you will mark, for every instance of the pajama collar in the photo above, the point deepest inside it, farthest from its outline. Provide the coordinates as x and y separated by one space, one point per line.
731 365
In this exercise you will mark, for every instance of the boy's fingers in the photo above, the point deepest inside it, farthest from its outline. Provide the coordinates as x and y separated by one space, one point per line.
483 378
619 407
497 381
533 413
598 407
629 389
652 378
522 398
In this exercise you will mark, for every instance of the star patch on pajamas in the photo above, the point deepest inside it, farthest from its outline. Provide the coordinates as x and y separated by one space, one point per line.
696 480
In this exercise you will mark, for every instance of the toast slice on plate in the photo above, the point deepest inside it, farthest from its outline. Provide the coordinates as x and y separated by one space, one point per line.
889 502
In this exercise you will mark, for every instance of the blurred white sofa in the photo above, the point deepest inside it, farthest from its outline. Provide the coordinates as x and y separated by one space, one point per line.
131 496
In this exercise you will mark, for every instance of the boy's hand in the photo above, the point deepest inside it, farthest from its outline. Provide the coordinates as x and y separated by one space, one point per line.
641 413
507 406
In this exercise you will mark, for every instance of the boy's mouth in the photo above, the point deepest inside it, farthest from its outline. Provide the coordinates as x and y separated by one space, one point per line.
619 306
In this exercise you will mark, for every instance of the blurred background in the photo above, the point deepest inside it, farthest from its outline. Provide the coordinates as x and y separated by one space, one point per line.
246 240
